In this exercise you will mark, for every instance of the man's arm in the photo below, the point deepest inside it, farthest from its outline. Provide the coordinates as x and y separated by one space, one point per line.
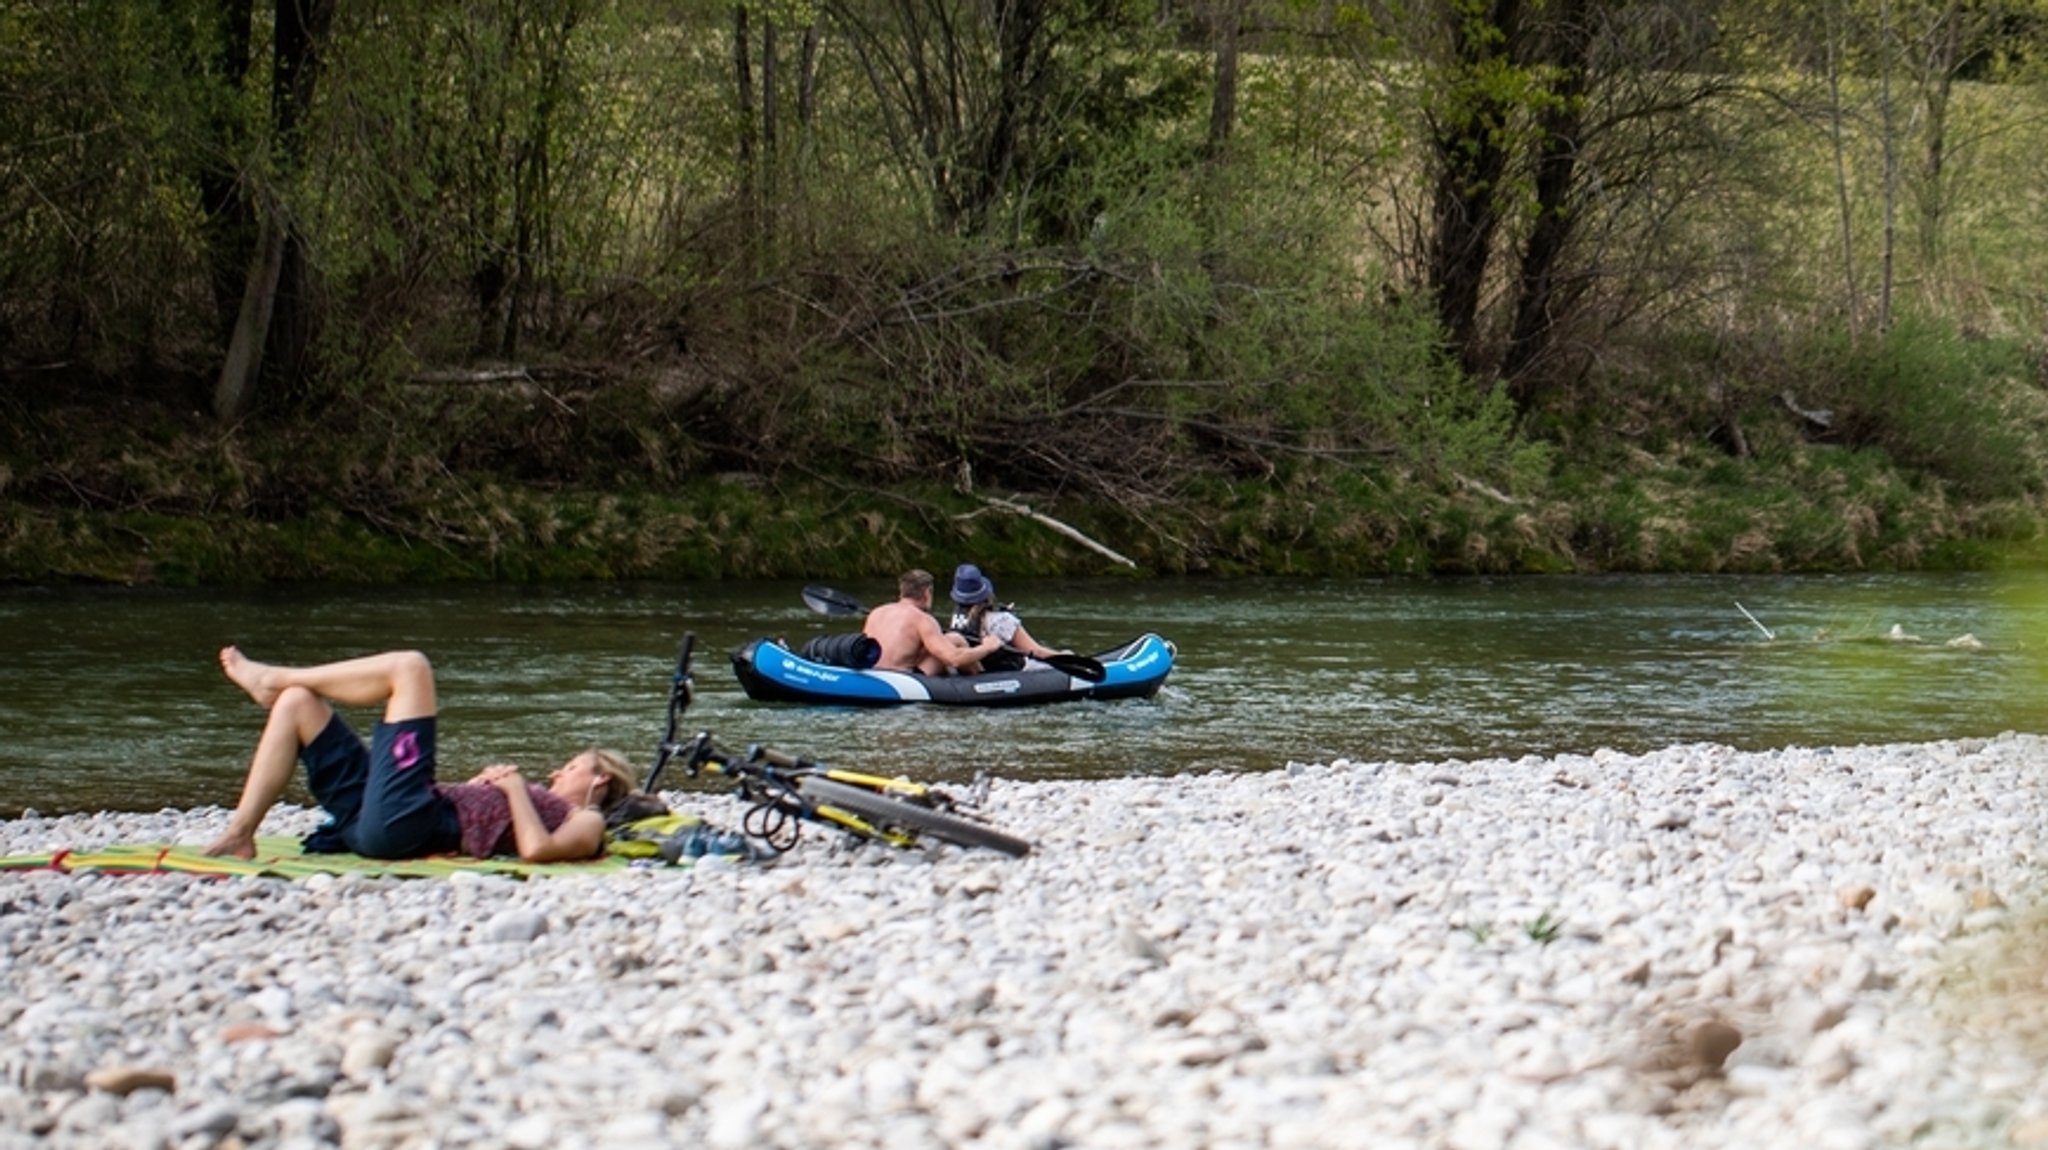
952 653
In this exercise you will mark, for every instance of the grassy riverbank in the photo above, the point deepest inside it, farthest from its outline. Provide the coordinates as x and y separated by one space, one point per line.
141 494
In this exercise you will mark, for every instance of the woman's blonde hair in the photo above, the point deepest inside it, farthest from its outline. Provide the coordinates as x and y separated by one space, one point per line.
618 779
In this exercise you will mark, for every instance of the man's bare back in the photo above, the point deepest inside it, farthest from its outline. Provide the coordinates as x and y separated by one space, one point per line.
900 628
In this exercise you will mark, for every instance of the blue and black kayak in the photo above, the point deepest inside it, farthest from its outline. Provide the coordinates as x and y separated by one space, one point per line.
772 672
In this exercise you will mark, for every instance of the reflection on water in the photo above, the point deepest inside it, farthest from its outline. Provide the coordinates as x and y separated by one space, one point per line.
110 698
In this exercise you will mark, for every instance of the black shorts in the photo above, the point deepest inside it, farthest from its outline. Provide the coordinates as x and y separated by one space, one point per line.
379 798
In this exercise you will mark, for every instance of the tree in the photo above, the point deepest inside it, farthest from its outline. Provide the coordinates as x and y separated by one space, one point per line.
1226 27
107 113
515 63
274 296
1887 72
1557 140
986 106
1939 42
1468 133
1541 292
223 198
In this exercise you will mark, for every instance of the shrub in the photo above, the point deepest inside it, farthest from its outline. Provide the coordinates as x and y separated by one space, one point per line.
1956 407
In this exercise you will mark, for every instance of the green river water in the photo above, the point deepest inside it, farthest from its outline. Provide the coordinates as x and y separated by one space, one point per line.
111 698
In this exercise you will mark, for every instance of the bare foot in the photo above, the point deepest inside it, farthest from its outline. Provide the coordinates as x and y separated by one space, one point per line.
250 675
239 845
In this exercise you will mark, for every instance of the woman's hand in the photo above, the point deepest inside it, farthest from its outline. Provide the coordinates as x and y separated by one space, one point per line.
504 776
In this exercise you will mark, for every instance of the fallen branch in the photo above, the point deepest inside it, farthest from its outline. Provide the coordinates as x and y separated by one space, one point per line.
1016 508
1820 417
1471 484
511 373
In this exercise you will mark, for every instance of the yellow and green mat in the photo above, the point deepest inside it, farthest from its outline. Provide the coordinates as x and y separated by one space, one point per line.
282 858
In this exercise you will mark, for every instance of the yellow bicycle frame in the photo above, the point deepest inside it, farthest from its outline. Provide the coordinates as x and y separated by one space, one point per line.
895 786
853 822
860 826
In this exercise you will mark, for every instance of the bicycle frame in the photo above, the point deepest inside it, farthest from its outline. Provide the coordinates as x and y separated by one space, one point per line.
769 780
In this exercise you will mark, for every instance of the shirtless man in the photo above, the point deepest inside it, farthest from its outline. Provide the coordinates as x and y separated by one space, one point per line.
910 637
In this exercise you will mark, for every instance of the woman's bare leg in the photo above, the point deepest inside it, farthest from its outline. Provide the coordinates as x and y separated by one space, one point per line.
297 716
401 680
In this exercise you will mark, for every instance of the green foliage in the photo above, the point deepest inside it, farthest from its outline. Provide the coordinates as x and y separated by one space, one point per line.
1545 928
987 118
1048 282
1958 408
1139 358
100 258
1788 507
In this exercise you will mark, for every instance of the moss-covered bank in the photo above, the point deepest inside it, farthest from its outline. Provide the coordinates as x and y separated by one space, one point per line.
1932 453
1829 512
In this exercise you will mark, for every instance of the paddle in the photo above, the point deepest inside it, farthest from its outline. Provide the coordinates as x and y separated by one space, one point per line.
837 604
840 605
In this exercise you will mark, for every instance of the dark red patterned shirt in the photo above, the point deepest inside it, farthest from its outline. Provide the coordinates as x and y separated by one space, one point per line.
486 815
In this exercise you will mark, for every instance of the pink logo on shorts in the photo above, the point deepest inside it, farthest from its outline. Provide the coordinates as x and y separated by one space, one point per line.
405 750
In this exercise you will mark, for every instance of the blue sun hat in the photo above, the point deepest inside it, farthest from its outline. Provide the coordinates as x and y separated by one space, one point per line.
970 586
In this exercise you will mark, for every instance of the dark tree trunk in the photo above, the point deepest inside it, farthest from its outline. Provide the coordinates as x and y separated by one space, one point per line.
807 78
274 319
1018 30
302 27
743 87
1472 155
771 148
1228 20
770 106
1541 297
230 218
1944 60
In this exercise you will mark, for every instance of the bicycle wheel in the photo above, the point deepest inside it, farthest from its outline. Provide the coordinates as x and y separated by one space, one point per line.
911 817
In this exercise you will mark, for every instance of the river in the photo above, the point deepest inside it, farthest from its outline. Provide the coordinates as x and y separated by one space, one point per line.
110 698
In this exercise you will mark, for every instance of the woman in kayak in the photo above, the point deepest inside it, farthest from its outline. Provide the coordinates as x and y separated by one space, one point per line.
381 798
977 615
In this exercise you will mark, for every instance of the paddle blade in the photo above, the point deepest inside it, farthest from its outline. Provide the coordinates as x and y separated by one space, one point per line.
1079 666
826 601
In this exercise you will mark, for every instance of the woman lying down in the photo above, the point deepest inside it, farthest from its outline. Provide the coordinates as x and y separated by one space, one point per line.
381 798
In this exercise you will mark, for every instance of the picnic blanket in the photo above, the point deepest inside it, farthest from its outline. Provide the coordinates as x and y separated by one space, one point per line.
670 840
282 858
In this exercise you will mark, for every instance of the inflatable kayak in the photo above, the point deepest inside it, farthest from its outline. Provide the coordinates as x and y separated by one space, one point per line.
774 673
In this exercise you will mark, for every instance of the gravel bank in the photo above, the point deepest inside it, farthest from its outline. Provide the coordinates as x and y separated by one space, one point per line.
1822 948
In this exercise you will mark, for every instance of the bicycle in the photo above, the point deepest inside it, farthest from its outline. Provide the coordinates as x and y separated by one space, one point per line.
788 790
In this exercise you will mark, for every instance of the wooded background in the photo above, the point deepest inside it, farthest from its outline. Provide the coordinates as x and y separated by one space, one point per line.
1134 254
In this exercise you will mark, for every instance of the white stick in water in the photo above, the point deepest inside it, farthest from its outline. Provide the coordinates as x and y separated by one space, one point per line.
1752 618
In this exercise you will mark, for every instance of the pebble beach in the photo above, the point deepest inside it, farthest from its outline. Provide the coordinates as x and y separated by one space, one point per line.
1823 948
